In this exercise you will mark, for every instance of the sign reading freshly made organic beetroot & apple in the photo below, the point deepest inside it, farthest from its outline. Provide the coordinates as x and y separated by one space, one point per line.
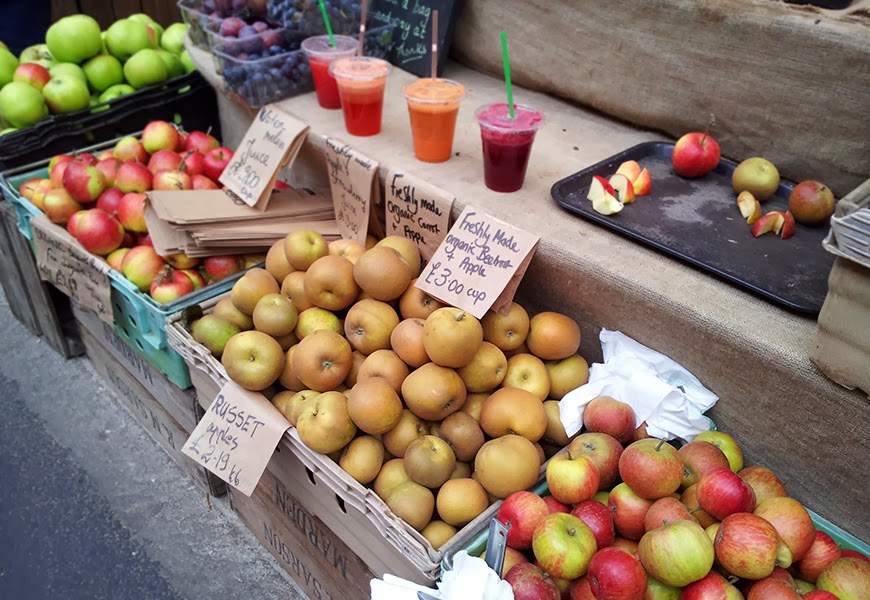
479 264
353 185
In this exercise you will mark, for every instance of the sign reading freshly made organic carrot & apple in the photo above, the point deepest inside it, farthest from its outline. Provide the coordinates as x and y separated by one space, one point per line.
479 264
417 210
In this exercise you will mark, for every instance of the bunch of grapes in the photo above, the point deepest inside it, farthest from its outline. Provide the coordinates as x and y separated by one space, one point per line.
304 15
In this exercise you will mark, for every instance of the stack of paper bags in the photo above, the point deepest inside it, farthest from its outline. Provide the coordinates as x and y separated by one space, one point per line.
211 222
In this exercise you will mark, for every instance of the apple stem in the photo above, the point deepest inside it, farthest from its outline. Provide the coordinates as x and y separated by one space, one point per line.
694 510
460 315
661 443
710 125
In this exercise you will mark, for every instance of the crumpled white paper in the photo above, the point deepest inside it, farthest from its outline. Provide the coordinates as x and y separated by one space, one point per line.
469 579
664 394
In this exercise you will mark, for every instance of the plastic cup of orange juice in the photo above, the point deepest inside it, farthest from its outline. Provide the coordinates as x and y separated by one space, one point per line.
361 81
433 105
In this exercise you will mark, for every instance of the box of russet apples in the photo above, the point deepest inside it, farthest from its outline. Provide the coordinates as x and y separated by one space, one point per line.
416 415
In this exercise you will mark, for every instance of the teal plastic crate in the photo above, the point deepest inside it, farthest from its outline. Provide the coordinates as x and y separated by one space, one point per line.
139 320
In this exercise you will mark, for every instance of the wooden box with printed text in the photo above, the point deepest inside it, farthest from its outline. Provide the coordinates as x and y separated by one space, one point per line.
156 403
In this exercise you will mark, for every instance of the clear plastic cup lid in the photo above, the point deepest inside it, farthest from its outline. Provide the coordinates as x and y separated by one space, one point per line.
319 46
360 68
434 91
496 117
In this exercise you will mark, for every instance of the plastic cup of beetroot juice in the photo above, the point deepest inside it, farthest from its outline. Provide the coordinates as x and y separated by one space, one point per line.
507 143
320 55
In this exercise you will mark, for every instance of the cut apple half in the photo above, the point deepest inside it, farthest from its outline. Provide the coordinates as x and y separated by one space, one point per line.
630 169
750 208
772 221
623 188
643 183
786 230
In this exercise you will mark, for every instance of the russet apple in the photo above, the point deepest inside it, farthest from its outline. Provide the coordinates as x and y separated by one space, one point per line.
757 176
275 315
288 377
460 501
677 554
599 519
566 374
438 533
463 434
564 546
348 249
614 574
322 360
528 582
509 331
811 203
721 492
414 303
291 403
413 503
522 512
250 288
506 465
429 461
433 392
528 372
572 479
608 415
315 319
363 458
603 450
381 363
486 370
513 410
409 428
374 405
695 154
213 333
629 511
555 432
293 286
368 324
303 247
329 283
651 468
452 337
324 424
746 545
225 309
823 551
553 336
406 248
276 261
382 273
407 342
252 359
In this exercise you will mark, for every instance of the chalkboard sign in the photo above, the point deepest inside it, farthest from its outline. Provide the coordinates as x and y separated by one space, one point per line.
412 36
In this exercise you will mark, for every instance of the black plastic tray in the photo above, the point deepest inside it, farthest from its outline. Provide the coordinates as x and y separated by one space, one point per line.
697 220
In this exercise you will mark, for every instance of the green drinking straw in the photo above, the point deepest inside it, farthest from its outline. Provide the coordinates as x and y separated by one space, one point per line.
507 74
326 20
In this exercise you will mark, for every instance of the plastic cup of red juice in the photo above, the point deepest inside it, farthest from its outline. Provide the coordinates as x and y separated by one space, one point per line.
361 81
320 55
507 143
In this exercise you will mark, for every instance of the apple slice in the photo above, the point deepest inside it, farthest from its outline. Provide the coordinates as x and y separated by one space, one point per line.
607 205
643 183
623 188
599 187
772 221
750 208
786 228
630 169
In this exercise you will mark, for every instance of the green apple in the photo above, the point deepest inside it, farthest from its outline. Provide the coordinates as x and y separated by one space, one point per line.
142 18
145 68
173 38
116 91
35 53
67 70
21 105
66 94
4 46
103 71
74 39
174 68
8 64
125 38
48 64
158 33
187 62
8 130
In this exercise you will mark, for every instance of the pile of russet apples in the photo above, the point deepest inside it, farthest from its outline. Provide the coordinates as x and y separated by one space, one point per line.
650 522
440 412
101 200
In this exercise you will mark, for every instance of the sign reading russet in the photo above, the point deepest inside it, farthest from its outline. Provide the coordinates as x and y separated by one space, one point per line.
480 264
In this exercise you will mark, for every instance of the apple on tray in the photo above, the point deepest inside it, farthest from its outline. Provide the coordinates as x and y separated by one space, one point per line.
603 197
695 154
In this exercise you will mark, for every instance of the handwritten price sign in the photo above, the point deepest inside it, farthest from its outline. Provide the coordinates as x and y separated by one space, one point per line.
352 182
479 264
272 141
417 210
236 437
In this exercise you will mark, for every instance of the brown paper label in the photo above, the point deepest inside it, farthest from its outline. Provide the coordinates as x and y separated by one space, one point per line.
353 184
63 262
272 141
479 264
417 210
236 437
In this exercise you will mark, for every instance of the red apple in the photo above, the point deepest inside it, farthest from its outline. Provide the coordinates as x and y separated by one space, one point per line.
182 141
220 267
726 444
581 590
599 519
629 511
131 212
606 415
192 163
628 545
172 181
764 483
159 135
181 261
201 182
772 589
129 238
87 158
133 177
528 582
849 553
555 506
109 168
59 206
144 239
614 574
521 511
664 511
690 501
216 160
695 155
129 149
604 451
572 479
72 222
721 492
98 232
746 545
200 142
511 559
563 545
56 174
819 595
28 187
38 194
791 521
677 553
811 203
651 468
116 258
107 153
712 587
83 182
698 458
109 200
32 74
58 158
141 266
164 160
195 277
167 288
847 578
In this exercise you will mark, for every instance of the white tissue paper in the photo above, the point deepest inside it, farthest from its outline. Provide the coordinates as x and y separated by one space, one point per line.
469 579
665 395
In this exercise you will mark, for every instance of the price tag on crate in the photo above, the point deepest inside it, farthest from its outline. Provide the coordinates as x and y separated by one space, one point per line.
480 263
272 141
354 188
64 263
417 210
236 437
